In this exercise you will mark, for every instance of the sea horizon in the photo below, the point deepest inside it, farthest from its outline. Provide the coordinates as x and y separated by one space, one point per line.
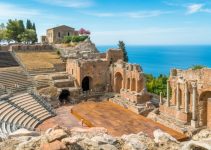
160 59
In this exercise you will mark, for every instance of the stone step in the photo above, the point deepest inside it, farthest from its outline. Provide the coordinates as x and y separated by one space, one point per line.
63 83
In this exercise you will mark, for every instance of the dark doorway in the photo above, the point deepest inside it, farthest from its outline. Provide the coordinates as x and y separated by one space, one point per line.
64 96
86 84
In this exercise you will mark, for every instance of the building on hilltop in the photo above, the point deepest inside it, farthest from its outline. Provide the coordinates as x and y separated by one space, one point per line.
189 97
56 34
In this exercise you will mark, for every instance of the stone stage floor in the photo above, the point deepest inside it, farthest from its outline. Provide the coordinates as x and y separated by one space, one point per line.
63 118
117 120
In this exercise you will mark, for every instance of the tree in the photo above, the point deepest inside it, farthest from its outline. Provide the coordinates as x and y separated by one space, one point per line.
21 28
156 84
2 32
15 28
28 36
34 28
29 24
122 47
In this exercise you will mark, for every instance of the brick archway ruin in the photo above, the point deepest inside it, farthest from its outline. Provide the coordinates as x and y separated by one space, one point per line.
203 109
118 82
86 83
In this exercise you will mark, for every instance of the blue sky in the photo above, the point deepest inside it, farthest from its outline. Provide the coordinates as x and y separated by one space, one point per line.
137 22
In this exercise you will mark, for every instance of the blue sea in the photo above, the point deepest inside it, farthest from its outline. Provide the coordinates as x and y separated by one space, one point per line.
160 59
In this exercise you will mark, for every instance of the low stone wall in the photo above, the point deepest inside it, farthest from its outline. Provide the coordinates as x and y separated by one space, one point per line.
35 47
179 115
4 47
135 97
60 67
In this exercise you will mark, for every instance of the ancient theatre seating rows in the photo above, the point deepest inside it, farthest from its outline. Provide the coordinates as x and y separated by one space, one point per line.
21 111
7 60
14 78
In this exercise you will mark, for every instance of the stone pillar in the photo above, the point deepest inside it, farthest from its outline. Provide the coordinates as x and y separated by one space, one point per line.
178 97
194 122
161 99
186 98
168 93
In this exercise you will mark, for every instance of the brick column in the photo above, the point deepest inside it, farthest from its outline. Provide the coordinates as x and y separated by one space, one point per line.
161 99
177 98
194 121
186 98
194 104
168 93
209 113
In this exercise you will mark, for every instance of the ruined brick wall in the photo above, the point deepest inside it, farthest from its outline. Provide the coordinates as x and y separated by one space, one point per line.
188 78
128 80
132 74
34 47
4 47
113 55
96 70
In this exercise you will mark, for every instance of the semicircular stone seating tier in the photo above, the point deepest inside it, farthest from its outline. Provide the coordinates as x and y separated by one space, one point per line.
21 111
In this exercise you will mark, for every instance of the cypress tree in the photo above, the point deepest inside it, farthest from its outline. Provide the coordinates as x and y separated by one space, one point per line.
122 47
34 28
29 24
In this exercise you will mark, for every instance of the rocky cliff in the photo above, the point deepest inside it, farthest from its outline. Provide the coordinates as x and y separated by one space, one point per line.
98 139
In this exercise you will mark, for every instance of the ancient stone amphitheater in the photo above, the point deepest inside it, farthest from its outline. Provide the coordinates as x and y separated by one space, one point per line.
20 106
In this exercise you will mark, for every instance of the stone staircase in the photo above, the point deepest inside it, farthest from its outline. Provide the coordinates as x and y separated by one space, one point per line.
7 60
13 79
63 81
22 111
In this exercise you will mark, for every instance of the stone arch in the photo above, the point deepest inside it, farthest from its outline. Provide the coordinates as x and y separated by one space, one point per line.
64 95
86 83
203 108
118 82
128 83
133 85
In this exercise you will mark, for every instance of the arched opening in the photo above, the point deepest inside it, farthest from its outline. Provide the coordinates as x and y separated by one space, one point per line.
64 96
202 108
133 86
128 83
118 82
86 83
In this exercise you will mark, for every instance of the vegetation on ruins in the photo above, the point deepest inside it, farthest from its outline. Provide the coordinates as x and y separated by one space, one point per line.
76 38
15 31
122 47
196 67
156 84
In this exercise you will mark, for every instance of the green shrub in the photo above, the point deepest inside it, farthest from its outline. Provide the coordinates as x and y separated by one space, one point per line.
196 67
58 52
68 39
156 84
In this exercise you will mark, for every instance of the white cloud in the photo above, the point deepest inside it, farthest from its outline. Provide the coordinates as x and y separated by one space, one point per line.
13 11
69 3
194 8
135 14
